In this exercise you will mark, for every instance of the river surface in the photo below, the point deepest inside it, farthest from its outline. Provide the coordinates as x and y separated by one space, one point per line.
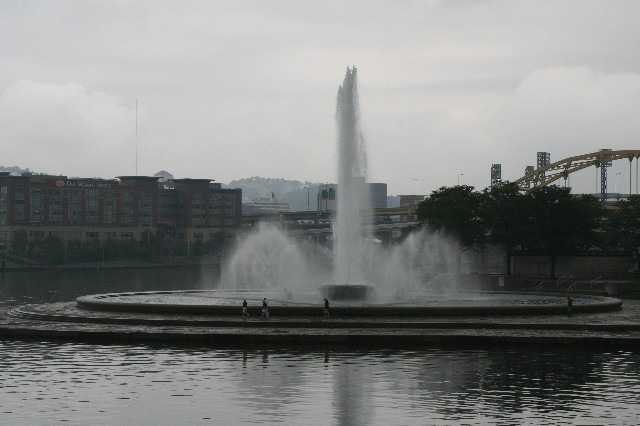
97 384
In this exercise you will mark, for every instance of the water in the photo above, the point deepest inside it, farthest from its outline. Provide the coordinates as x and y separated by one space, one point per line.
268 259
353 197
75 383
20 288
47 383
85 384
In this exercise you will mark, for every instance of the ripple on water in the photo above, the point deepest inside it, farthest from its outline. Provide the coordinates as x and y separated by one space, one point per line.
44 382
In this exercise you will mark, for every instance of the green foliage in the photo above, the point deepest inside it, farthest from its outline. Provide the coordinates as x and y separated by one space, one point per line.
51 251
561 222
20 241
503 210
549 219
455 210
624 227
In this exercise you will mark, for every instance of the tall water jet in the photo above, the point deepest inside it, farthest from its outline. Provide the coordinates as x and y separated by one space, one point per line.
353 195
268 259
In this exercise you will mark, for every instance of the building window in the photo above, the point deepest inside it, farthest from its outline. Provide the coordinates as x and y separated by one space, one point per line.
56 215
167 206
92 208
36 207
36 236
110 208
18 213
197 210
126 209
145 209
57 234
74 209
3 205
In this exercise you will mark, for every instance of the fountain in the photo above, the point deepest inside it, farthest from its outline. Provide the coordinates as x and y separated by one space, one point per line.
353 196
360 278
268 259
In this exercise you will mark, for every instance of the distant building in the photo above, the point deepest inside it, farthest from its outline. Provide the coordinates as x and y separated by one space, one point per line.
263 205
378 194
411 201
81 209
327 196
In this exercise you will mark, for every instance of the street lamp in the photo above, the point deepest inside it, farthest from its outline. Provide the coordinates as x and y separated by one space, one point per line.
307 197
459 174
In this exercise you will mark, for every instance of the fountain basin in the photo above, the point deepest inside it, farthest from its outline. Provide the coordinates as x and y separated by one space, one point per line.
310 304
347 292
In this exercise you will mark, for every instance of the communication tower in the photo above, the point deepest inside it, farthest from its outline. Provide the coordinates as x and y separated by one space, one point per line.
527 170
496 174
544 159
603 176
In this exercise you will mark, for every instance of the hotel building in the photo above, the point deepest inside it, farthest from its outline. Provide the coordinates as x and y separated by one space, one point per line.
77 209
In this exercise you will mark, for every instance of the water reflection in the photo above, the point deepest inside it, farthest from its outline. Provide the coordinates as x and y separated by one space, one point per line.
65 285
49 382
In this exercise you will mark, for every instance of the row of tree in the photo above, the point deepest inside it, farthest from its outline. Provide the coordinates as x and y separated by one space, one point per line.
52 250
548 219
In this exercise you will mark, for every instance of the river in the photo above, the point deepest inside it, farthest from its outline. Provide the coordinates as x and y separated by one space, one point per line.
85 384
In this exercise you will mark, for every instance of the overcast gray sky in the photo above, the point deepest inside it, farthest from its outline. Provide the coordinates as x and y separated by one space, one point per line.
233 89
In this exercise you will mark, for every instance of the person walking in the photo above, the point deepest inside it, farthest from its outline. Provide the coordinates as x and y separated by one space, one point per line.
326 308
569 306
265 309
245 309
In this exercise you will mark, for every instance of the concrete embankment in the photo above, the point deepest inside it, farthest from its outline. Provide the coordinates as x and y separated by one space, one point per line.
66 321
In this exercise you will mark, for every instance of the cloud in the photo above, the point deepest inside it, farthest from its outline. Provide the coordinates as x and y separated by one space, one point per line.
54 125
572 111
234 89
565 111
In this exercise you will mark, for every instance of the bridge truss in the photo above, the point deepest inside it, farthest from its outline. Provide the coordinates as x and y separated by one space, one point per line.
544 176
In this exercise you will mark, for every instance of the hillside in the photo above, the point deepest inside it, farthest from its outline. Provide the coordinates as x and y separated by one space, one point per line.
292 192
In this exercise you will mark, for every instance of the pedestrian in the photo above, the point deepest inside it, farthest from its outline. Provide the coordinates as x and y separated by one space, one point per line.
245 309
265 308
569 306
326 308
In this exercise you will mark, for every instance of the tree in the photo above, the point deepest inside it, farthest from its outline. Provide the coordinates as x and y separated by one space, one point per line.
503 212
20 241
455 210
624 226
559 222
52 251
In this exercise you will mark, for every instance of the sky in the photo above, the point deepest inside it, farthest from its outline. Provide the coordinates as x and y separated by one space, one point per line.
233 89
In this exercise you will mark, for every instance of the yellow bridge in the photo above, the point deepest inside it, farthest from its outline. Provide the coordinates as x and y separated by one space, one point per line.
563 168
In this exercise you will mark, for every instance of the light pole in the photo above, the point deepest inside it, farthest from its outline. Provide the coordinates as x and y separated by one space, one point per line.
630 162
459 174
307 197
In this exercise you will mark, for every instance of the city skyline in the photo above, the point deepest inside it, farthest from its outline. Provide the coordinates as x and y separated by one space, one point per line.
229 90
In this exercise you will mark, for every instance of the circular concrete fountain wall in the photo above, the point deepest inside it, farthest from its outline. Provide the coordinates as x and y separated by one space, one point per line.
282 304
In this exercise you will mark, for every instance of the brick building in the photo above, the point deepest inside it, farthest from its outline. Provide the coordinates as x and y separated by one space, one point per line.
77 209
